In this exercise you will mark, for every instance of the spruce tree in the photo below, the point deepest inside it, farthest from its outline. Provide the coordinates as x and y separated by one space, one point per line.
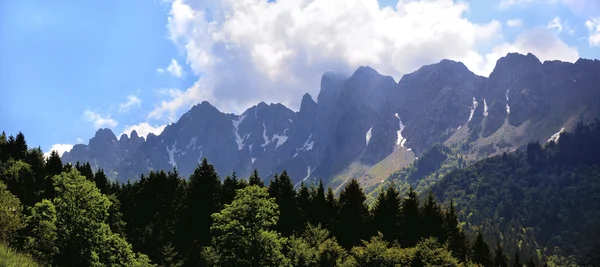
304 205
255 179
480 251
102 181
354 216
203 198
319 206
332 210
386 213
230 184
411 219
282 189
531 262
456 238
432 220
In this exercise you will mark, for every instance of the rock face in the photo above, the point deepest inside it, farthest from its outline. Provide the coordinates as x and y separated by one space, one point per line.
364 118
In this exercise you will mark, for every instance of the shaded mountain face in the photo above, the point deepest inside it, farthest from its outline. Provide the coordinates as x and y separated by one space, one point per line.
364 118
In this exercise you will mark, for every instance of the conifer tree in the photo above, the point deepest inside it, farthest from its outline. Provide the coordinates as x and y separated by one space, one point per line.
354 216
411 218
203 198
255 179
102 181
531 262
230 184
480 251
318 205
457 242
54 164
432 220
332 210
386 213
304 205
282 189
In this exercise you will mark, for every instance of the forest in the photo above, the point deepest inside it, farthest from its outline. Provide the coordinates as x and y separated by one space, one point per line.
536 207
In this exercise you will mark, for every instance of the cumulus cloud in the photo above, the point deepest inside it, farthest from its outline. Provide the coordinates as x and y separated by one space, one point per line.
514 23
59 148
174 68
555 24
593 26
131 102
79 140
143 129
249 51
540 41
98 120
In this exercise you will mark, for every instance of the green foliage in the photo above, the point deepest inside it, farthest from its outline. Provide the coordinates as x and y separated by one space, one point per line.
282 189
41 226
11 218
243 232
386 213
314 248
10 258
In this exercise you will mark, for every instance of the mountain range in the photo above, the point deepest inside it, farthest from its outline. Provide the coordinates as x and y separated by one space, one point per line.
366 125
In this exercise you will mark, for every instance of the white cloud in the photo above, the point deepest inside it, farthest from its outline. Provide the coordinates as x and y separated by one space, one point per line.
143 129
60 148
555 24
514 23
539 41
131 101
174 68
98 120
79 140
593 26
579 7
255 51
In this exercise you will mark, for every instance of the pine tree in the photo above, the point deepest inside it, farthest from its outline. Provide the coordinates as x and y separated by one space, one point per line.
456 238
332 210
411 218
54 164
318 205
203 198
481 251
102 181
354 216
531 262
386 213
282 189
304 205
255 179
499 257
432 220
230 184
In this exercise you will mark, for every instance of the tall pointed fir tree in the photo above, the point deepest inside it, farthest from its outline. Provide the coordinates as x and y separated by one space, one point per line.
432 220
354 216
457 242
304 205
332 208
411 219
282 189
517 260
386 213
480 251
255 179
318 205
203 198
230 184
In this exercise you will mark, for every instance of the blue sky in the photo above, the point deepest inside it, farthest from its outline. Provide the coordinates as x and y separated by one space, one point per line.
69 67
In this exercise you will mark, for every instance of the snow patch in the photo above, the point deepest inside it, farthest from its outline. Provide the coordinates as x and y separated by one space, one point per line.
253 159
290 120
171 152
192 143
485 108
507 105
250 147
473 107
265 136
295 155
308 145
238 138
308 172
400 140
555 136
458 127
368 135
280 139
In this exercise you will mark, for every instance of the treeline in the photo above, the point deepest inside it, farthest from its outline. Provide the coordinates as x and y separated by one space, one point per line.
66 215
